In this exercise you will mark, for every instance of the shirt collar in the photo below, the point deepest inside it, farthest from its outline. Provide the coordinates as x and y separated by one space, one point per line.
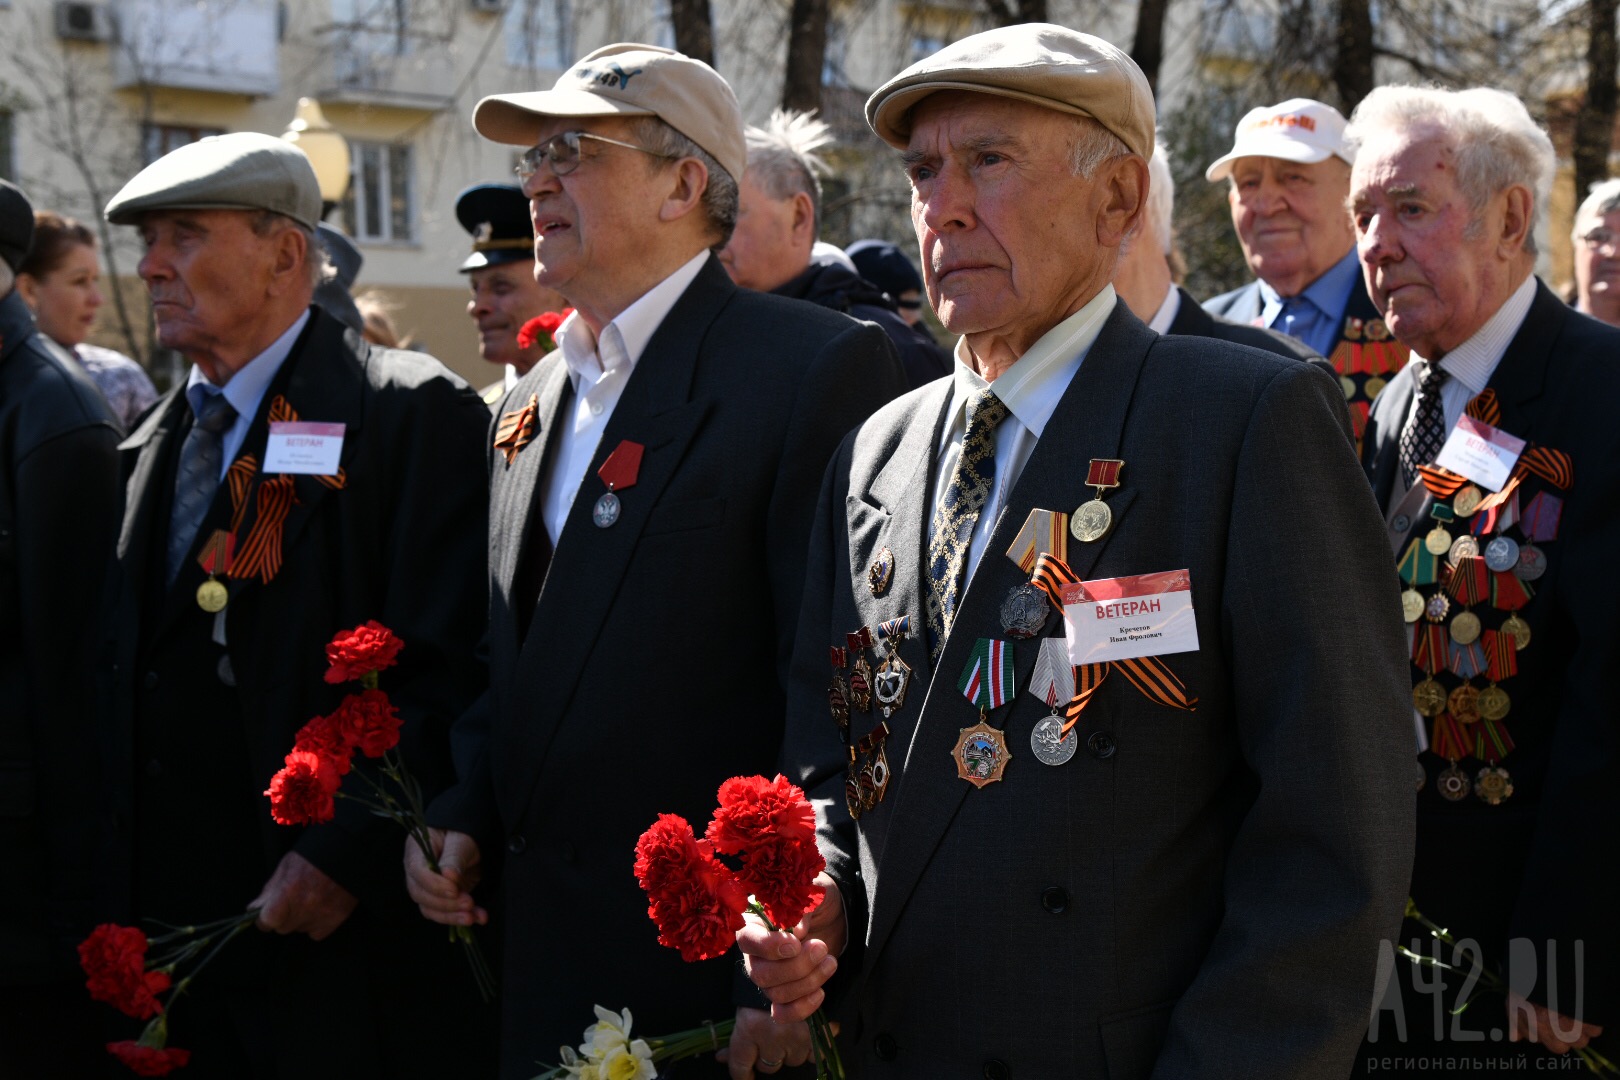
1160 323
1474 361
1032 387
246 389
625 338
1328 293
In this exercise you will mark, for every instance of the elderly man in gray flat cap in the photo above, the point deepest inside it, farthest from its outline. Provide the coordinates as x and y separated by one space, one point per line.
1132 797
299 482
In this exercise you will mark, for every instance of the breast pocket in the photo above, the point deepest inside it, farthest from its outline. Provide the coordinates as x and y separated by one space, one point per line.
685 516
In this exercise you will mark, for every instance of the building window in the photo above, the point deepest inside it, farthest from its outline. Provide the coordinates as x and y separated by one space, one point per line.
381 203
160 139
8 145
537 34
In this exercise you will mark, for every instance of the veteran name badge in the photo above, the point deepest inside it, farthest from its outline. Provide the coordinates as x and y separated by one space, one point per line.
981 753
1091 520
299 447
618 472
1125 618
1480 452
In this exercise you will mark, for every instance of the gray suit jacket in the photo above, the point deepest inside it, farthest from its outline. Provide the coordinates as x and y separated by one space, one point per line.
1193 894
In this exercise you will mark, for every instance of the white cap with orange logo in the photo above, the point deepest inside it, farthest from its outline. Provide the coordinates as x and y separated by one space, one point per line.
1299 130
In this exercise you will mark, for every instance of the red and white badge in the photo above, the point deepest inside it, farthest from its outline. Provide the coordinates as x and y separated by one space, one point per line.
1484 454
300 447
1126 617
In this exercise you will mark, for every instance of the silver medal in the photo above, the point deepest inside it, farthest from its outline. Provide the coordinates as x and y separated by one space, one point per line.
1049 744
1502 553
1023 613
606 510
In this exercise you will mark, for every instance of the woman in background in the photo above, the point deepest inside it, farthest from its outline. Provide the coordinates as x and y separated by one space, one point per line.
60 283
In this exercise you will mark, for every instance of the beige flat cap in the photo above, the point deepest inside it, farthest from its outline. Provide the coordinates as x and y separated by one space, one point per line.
1041 63
244 170
629 80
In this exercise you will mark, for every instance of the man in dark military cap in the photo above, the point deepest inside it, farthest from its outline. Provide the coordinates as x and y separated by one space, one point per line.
500 271
211 684
58 521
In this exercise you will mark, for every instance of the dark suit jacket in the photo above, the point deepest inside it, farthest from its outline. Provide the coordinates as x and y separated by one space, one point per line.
1194 321
653 667
1193 894
1521 869
58 520
191 744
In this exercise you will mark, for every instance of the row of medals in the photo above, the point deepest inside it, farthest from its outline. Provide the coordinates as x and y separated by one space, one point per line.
1467 703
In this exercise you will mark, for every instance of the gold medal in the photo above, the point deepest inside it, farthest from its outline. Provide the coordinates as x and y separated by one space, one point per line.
1452 784
1493 784
1091 521
1438 542
1412 605
1464 704
981 753
1494 703
1465 628
1429 698
1437 607
1518 630
1467 501
1348 385
1373 387
212 596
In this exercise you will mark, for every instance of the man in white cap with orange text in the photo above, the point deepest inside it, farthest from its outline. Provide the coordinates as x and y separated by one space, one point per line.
1289 174
1135 802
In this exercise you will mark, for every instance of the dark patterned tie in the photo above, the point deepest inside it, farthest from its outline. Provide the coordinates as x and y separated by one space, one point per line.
197 477
1425 431
957 513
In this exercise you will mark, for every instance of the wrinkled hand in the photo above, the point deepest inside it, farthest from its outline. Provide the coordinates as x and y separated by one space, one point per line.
1527 1020
791 967
300 899
760 1044
445 897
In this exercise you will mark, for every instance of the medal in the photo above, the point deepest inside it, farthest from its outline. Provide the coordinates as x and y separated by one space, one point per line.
1465 628
1464 547
1518 630
1492 785
1438 541
212 596
981 753
860 675
1452 784
894 674
1467 501
1494 703
853 799
1052 681
1374 387
1532 563
1045 532
1418 566
881 572
1411 605
1469 583
1502 553
1464 703
1429 698
1437 607
838 690
1348 385
1501 662
1093 519
618 472
1049 744
215 557
1023 613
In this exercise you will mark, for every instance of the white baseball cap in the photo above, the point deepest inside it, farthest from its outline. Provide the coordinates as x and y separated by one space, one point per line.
1299 130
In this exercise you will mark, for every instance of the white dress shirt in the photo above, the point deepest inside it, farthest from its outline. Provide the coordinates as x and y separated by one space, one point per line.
599 369
1030 389
1470 366
1160 323
245 390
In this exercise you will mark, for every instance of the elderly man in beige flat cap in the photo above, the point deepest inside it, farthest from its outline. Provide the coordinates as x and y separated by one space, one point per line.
248 542
1133 796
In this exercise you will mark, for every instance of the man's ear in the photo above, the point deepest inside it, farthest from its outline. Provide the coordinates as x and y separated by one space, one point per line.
1517 204
1124 182
690 181
804 218
287 260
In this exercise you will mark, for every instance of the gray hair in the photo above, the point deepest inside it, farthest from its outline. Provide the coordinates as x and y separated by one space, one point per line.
1604 199
1093 145
719 198
317 267
1161 200
783 161
1498 145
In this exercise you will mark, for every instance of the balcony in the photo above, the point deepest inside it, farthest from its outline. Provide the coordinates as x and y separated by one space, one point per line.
219 48
380 68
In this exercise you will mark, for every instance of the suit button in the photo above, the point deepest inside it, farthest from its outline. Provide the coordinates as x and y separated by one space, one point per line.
154 768
995 1069
1055 900
1401 523
885 1047
516 844
150 681
1101 745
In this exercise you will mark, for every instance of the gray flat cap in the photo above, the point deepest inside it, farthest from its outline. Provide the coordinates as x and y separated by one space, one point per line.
16 224
244 170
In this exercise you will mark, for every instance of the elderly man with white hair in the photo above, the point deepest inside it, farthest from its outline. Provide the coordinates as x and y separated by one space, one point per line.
1146 277
1497 459
1596 238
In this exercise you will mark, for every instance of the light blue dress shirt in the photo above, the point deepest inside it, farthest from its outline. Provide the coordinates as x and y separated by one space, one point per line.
1314 315
245 391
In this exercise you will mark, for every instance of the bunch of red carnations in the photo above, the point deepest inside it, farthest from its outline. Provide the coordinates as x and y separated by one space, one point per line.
127 970
305 790
698 902
542 330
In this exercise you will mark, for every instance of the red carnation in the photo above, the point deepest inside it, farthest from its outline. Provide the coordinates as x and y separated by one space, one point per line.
361 651
754 811
780 877
302 792
694 899
541 329
368 721
148 1060
114 959
325 738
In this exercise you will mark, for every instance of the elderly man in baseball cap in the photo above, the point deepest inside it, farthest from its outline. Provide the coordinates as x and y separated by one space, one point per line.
355 493
1289 174
1088 831
654 480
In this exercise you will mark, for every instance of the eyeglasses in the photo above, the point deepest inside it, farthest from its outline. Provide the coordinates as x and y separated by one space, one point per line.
561 152
1598 239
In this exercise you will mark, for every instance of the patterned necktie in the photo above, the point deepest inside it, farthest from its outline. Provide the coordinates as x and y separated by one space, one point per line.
1425 431
197 478
957 513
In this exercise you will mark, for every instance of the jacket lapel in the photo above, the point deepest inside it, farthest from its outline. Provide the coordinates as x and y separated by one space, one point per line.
589 564
1521 376
151 446
1088 423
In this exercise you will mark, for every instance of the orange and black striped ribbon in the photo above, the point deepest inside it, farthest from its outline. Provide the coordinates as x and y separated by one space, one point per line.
1087 678
238 478
1501 655
1157 682
1442 483
1449 741
1429 647
1469 580
1050 576
1484 407
516 429
1554 466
